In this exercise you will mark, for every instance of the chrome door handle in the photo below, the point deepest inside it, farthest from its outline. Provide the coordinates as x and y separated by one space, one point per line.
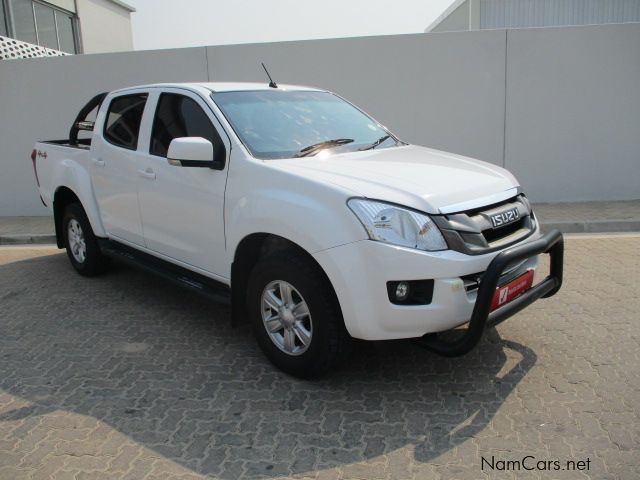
148 174
98 161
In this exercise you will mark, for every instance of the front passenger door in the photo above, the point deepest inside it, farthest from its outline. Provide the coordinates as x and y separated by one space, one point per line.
182 207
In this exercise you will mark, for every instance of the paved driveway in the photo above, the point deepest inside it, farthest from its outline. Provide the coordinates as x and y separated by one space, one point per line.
125 376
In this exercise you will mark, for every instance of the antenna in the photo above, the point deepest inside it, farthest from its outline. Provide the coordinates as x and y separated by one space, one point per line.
272 84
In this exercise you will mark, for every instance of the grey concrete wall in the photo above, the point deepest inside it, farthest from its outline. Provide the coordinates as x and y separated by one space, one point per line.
441 90
573 112
567 98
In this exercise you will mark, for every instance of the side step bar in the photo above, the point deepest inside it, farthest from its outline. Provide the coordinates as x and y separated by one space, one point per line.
482 316
212 289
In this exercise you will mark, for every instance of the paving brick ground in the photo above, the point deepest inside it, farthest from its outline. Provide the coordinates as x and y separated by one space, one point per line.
125 376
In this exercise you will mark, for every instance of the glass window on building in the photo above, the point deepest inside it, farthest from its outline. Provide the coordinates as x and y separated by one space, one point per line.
46 26
40 23
3 21
65 32
23 20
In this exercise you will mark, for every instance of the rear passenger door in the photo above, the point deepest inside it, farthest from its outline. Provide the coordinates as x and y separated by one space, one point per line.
113 166
182 207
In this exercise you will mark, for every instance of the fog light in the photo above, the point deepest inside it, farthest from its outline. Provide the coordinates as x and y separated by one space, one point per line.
402 291
410 292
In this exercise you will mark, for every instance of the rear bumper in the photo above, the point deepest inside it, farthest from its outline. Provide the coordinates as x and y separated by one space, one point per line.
360 271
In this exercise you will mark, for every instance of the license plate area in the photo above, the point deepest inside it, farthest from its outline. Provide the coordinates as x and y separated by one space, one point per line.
512 290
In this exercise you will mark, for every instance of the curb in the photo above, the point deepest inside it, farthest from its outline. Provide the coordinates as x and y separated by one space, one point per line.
28 239
607 226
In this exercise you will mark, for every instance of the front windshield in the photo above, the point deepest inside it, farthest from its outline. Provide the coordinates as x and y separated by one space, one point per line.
284 124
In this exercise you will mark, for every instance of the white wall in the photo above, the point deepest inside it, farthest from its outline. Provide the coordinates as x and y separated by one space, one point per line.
68 5
567 123
104 26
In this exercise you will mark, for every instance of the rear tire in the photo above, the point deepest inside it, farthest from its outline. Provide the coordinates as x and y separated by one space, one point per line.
81 244
312 313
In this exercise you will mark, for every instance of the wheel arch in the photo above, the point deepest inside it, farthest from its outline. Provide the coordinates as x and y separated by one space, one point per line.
63 197
247 253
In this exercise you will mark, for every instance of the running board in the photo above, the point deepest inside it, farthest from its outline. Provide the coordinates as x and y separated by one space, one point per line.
210 288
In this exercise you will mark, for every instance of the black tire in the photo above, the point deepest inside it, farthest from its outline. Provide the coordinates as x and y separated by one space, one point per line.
330 342
94 261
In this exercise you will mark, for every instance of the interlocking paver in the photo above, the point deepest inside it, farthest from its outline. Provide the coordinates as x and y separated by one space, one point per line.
125 376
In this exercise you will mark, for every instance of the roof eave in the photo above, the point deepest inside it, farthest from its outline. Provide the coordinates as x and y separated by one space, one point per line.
124 5
450 9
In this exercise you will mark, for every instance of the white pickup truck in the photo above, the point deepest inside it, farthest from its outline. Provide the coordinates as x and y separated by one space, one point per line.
313 220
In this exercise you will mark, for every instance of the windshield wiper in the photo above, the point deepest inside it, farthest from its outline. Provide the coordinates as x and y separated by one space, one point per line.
376 143
311 149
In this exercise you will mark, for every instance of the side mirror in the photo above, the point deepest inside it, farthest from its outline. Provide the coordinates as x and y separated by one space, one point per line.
191 152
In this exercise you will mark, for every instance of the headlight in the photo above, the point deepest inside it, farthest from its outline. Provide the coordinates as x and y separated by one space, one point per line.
398 226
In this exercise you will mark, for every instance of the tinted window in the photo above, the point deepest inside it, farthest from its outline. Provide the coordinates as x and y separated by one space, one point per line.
123 120
178 116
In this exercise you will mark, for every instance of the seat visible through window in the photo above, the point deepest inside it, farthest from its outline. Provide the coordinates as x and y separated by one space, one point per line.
179 116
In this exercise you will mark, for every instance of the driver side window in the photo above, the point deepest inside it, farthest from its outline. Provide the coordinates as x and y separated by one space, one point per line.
179 116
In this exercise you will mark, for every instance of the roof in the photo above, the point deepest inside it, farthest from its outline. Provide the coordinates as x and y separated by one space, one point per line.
448 11
244 86
124 5
223 86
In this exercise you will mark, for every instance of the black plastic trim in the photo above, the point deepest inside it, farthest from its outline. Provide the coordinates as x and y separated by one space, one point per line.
82 115
206 286
420 292
212 164
466 231
482 317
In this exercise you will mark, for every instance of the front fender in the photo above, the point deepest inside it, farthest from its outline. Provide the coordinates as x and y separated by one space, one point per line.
312 222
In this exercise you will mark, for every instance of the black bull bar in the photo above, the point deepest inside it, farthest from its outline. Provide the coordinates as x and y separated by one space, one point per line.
482 316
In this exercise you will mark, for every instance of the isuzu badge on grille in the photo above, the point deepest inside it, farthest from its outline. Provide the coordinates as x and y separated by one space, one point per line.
504 218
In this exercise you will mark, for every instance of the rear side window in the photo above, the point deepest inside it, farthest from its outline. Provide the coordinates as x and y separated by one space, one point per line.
179 116
123 120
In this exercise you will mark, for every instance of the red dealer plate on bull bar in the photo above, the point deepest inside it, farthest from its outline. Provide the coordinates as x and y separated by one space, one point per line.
513 289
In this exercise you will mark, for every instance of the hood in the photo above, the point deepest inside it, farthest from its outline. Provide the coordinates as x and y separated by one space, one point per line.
422 178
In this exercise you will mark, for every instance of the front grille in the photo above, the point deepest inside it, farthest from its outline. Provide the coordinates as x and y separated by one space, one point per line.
502 232
473 233
511 272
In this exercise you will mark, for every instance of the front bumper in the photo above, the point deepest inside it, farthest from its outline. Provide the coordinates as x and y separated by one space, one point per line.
481 318
359 272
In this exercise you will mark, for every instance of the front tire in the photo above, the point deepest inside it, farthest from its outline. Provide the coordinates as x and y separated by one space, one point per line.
80 242
295 315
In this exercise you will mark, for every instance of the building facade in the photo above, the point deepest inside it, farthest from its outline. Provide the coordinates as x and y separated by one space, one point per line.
498 14
69 26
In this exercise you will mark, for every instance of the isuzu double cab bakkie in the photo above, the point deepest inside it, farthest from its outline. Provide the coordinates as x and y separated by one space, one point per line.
313 220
